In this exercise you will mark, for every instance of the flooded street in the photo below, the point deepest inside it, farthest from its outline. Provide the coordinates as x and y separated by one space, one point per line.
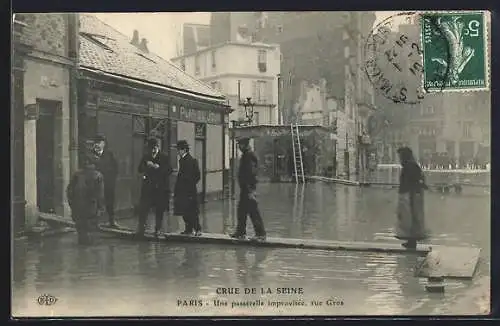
125 278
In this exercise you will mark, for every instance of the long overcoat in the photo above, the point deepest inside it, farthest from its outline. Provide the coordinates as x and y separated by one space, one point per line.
185 192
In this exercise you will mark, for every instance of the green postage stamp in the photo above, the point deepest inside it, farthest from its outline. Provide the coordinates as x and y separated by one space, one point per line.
455 51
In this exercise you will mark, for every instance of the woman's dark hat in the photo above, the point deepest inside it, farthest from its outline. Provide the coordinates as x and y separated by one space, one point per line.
182 144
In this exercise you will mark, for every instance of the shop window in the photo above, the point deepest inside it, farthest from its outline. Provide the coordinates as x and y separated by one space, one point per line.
139 125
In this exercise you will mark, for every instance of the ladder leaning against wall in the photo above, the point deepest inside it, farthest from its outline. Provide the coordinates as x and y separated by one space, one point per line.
297 154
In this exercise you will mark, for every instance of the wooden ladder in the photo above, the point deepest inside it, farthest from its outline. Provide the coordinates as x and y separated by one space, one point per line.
297 154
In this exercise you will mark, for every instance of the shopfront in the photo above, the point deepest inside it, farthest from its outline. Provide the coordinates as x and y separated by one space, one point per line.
128 115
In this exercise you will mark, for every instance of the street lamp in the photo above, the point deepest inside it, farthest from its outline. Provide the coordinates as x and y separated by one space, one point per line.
249 112
249 105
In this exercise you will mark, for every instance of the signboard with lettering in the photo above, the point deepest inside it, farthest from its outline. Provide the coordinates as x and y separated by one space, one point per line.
196 115
158 109
121 102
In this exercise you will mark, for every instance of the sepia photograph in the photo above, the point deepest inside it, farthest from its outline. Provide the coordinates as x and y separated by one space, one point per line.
243 164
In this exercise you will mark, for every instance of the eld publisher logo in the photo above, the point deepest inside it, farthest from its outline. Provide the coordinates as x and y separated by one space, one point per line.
46 300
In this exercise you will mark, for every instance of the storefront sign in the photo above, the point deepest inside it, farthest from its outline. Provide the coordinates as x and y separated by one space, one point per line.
158 109
122 102
195 115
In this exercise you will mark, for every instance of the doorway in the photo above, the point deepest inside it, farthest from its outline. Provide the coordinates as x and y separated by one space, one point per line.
199 154
45 152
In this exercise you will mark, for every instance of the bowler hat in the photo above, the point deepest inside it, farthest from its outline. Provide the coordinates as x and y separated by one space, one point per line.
244 141
182 144
152 142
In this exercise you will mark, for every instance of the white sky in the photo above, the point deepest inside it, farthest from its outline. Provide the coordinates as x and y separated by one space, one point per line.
163 29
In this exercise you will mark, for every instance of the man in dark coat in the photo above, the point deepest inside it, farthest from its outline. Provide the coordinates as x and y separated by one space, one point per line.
247 178
85 194
108 166
186 194
155 192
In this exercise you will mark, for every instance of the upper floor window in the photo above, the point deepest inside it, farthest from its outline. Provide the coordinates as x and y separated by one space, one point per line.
467 129
197 65
214 62
183 65
427 110
262 60
261 92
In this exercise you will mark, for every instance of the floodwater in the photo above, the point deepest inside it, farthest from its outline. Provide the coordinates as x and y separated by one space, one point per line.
125 278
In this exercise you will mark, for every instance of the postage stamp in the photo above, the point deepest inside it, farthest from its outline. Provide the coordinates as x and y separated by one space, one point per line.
458 61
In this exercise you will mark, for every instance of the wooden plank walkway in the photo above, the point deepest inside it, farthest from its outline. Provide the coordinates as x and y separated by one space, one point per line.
445 261
450 262
333 180
224 239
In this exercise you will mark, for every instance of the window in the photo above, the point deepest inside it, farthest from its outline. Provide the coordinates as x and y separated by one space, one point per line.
260 92
255 118
183 65
197 65
467 129
346 52
428 110
98 40
214 63
262 60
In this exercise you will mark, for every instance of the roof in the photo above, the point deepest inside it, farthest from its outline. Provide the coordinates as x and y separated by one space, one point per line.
105 49
216 46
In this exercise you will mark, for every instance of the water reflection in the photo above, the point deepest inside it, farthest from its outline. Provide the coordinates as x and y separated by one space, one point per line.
249 271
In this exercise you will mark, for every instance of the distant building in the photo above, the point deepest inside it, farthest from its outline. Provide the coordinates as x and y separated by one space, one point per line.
240 70
195 37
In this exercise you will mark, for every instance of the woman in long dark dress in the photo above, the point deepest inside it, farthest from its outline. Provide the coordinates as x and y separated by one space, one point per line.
411 217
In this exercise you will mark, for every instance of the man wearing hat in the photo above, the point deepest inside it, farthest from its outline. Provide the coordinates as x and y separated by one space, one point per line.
155 191
108 166
185 193
85 194
247 205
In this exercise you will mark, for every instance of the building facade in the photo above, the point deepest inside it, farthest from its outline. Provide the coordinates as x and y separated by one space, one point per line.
134 94
240 70
314 46
45 94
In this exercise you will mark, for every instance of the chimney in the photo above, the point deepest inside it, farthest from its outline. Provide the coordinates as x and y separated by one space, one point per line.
135 38
144 45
